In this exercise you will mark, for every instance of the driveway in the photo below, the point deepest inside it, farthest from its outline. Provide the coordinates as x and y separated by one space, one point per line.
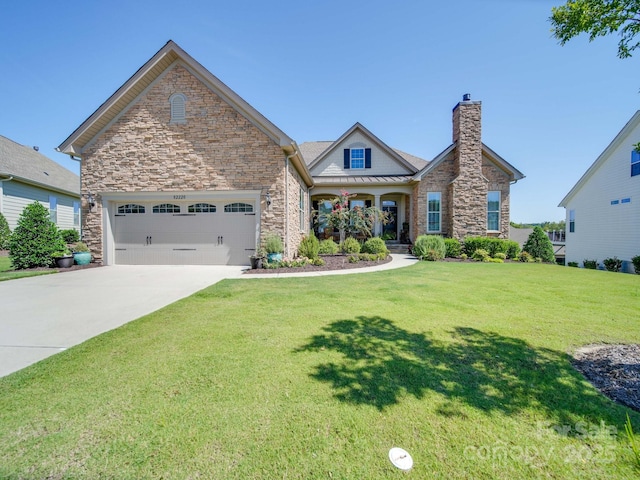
41 316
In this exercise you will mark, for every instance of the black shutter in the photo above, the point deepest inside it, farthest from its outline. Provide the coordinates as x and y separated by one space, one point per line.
367 158
347 158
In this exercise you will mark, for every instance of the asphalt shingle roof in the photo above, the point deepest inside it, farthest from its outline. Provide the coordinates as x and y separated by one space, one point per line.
26 164
312 150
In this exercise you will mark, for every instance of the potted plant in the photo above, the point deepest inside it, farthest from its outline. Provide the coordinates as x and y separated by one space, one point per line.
62 258
274 248
81 254
257 258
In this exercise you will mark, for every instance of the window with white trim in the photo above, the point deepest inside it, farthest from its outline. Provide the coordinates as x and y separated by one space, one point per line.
76 214
434 212
301 210
357 158
635 163
131 208
572 221
53 209
178 103
166 208
202 208
493 211
238 208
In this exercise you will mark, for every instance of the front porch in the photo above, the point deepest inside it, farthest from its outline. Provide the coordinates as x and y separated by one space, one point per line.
396 204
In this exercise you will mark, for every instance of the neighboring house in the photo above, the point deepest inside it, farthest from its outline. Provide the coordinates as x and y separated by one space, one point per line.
185 171
27 176
603 208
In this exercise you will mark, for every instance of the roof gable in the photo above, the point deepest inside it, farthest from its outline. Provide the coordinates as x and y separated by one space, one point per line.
325 158
513 172
160 63
30 166
620 138
163 61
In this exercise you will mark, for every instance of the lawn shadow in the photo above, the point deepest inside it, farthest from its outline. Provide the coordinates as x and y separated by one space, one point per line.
381 363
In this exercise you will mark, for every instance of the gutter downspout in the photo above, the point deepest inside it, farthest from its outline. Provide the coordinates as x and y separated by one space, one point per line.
286 199
2 180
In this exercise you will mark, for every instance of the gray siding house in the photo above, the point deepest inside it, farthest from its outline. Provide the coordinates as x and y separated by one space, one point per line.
27 176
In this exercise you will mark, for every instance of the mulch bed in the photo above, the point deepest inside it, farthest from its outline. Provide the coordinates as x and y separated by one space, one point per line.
612 369
5 253
331 262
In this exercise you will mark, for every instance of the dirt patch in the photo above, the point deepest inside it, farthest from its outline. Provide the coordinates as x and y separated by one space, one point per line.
612 369
331 262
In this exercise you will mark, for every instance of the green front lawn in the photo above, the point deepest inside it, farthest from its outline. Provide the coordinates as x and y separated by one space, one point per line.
464 365
7 272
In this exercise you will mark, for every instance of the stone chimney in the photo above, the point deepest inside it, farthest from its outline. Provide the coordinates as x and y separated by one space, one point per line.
467 133
468 192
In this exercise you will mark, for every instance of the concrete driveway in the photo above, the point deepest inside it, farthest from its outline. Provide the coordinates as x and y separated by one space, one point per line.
41 316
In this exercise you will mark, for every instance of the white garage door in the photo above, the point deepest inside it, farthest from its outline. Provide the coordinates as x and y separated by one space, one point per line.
170 233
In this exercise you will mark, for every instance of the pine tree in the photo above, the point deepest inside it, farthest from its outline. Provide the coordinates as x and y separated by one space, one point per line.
35 238
538 245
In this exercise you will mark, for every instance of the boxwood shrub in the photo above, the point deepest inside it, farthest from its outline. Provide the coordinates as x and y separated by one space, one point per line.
375 246
328 247
350 245
453 247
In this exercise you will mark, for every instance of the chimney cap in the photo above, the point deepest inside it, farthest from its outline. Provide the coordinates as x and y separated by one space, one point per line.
466 97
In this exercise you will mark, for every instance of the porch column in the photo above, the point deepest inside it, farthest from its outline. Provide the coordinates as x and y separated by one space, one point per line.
377 228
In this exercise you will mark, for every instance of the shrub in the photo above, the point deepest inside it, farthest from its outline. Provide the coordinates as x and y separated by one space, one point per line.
35 238
513 249
353 258
80 247
590 264
309 247
5 233
453 247
70 235
612 264
538 245
481 255
526 257
500 256
318 262
350 245
328 247
375 246
463 256
471 244
491 245
493 260
636 263
429 247
573 264
273 244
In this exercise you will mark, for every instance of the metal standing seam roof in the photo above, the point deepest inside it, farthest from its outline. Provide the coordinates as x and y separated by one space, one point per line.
30 166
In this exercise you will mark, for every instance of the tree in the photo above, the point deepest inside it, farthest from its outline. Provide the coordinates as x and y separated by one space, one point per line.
5 233
598 18
35 238
538 245
351 220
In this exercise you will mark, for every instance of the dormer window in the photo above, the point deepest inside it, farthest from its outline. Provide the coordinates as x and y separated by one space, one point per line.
357 158
635 163
178 108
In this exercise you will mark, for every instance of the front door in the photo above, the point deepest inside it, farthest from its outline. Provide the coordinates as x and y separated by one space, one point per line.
390 231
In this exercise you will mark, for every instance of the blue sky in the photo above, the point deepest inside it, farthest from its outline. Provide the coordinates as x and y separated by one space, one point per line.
314 68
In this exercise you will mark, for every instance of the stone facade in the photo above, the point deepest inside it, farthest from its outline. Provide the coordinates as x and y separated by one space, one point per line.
215 149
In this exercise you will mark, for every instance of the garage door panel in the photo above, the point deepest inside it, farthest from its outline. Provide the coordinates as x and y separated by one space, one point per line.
184 239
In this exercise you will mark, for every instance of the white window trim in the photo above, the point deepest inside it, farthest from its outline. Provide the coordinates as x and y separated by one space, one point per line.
364 155
53 209
572 221
494 211
439 230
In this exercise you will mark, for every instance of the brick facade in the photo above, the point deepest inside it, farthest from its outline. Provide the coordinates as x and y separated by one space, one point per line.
216 149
